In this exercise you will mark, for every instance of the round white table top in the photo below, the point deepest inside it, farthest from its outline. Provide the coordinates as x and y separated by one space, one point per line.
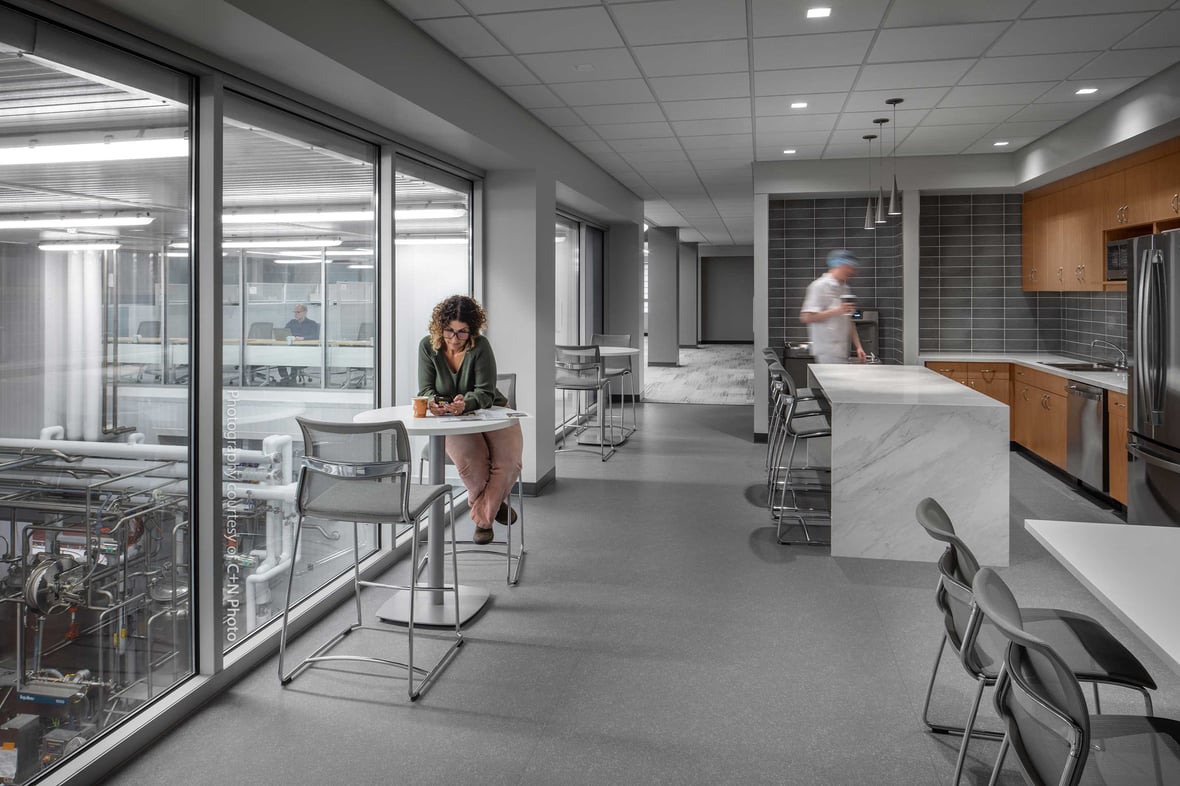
431 426
616 352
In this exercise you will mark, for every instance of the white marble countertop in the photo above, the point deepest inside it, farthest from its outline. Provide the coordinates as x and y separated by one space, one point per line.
1131 569
856 383
1104 379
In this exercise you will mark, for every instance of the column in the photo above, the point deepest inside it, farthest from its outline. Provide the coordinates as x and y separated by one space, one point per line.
518 276
663 296
624 289
690 329
761 310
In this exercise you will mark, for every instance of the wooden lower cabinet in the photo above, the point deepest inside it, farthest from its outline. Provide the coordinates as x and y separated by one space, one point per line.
955 371
990 379
1040 421
1116 444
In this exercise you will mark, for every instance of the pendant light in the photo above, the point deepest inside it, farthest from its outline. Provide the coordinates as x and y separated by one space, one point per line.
880 216
870 223
894 205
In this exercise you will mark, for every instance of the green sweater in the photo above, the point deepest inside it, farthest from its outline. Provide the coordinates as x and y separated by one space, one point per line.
475 381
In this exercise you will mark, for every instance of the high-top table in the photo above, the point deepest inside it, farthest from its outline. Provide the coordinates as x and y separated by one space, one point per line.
435 607
903 433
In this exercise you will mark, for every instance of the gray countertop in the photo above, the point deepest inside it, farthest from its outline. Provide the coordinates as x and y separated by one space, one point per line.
1109 380
857 383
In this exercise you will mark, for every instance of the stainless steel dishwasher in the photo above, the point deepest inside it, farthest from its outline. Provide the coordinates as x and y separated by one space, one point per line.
1085 456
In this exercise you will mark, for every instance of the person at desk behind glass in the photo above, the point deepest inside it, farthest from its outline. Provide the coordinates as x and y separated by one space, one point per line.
301 329
827 310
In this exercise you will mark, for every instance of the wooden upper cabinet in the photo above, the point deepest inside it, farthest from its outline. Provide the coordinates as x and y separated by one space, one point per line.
1032 221
1167 186
1144 187
1081 238
1112 202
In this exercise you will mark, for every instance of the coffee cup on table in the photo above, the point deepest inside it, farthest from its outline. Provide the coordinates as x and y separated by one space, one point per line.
420 403
290 340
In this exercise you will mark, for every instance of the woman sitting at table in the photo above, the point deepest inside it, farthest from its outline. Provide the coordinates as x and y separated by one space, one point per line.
457 369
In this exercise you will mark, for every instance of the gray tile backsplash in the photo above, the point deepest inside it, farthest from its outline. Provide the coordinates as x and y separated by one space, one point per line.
970 288
802 232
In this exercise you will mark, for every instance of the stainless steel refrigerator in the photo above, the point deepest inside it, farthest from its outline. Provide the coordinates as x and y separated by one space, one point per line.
1153 322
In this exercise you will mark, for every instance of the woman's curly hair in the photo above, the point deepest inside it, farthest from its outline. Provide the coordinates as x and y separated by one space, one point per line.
457 308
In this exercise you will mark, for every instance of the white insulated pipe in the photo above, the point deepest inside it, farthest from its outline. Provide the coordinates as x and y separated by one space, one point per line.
124 450
90 328
70 362
52 432
53 278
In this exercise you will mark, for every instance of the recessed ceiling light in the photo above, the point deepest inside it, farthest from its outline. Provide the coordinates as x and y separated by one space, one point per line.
1085 91
1001 143
788 152
79 246
818 13
798 105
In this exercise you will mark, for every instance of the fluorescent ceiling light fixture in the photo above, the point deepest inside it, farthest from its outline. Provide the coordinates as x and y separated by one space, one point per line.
329 242
1085 91
360 267
432 241
79 246
789 152
296 218
353 252
1002 143
134 150
798 105
428 213
176 254
818 13
297 261
64 223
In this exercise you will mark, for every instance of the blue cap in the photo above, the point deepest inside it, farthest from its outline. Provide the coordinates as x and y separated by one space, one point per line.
842 256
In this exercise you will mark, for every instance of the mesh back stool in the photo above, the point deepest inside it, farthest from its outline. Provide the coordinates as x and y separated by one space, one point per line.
620 369
579 369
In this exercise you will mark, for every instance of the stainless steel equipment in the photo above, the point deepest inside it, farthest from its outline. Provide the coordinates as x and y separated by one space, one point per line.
1153 322
1085 456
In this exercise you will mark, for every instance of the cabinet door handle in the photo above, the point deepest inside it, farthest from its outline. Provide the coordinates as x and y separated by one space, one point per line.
1024 394
1060 272
1175 200
1083 276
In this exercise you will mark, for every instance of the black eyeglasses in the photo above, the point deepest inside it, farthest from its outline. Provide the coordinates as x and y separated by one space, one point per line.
463 334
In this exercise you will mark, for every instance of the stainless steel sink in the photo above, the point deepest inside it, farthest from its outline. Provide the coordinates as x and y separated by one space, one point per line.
1081 366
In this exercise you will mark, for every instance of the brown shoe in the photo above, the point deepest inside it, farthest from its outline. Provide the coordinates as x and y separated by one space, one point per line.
482 536
506 515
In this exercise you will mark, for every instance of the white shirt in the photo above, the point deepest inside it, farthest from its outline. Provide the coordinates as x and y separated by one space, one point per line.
831 337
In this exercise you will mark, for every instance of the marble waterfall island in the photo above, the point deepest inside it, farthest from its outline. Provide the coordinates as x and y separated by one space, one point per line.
901 433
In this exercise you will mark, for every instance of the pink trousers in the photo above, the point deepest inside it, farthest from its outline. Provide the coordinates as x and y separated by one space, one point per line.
488 464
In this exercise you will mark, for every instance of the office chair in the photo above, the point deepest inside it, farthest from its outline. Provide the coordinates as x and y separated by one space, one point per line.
1046 720
360 472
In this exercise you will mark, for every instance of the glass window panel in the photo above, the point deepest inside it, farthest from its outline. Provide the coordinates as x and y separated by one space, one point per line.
299 231
566 303
95 161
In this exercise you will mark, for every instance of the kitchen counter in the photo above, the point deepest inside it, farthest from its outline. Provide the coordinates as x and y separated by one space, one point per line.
902 433
1110 380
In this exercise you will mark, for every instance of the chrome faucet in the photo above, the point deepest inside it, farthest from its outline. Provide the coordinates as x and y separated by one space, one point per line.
1121 363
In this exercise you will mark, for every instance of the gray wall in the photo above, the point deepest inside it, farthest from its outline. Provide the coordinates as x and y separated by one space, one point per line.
802 231
727 295
663 296
689 274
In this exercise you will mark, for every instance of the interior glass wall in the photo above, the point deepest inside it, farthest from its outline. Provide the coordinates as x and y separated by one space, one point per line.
298 240
94 465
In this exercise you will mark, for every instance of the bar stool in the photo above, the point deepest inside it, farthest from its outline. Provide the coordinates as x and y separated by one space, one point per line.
360 472
620 369
579 369
796 426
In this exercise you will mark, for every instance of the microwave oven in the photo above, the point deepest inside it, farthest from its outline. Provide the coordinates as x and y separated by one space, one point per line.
1118 259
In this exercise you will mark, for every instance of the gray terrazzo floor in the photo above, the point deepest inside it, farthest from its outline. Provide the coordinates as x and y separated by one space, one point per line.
707 374
659 635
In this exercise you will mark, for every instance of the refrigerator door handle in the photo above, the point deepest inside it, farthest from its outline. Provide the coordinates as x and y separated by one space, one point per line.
1157 310
1135 448
1139 350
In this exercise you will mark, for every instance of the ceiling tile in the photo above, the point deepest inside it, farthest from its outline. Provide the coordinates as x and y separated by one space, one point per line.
577 133
730 125
621 113
1035 113
1129 63
775 152
1042 8
707 109
1164 30
722 156
427 9
995 95
966 115
1073 34
532 96
617 91
583 65
942 139
720 141
855 136
633 130
506 6
656 156
594 146
612 162
1025 130
915 98
553 31
934 43
1066 92
985 145
502 70
931 73
806 51
911 13
634 145
821 103
782 139
702 57
844 151
781 123
463 35
789 17
674 21
685 88
906 118
1026 68
804 80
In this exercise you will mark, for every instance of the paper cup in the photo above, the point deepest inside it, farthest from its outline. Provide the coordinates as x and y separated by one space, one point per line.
420 406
